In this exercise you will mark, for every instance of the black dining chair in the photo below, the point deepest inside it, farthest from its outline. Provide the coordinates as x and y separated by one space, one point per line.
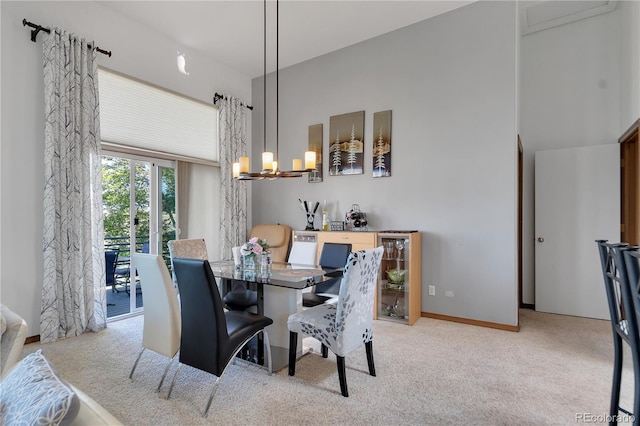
333 256
632 263
211 337
624 320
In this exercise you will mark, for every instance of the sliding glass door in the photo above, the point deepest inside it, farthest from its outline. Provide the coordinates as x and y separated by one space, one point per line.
139 217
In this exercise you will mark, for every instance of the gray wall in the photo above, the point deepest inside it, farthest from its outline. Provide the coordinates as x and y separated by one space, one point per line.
137 51
451 84
630 63
579 87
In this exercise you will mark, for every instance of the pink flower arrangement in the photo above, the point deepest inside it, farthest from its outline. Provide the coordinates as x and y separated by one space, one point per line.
253 247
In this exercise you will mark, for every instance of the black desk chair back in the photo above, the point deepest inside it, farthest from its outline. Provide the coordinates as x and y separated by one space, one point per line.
110 260
210 336
333 256
624 320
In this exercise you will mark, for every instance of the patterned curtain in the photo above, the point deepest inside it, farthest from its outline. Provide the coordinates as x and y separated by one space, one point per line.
233 144
73 291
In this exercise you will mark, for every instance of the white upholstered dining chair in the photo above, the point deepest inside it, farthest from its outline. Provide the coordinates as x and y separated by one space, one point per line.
162 323
303 253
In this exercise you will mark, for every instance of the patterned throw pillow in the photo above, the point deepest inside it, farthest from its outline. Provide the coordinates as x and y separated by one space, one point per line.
33 394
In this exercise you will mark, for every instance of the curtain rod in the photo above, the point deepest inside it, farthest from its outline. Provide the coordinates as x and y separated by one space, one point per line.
37 28
218 96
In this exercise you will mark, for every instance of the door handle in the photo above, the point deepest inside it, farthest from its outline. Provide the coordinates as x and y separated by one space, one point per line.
540 240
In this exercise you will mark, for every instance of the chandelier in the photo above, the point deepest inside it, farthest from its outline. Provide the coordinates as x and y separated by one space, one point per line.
270 169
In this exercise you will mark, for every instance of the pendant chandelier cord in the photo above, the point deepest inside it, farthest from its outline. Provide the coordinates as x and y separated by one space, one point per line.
277 78
271 167
264 79
37 28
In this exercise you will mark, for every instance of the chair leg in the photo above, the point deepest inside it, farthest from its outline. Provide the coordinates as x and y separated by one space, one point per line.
268 347
324 350
213 392
218 378
166 370
636 381
135 364
617 377
174 380
342 375
369 347
293 347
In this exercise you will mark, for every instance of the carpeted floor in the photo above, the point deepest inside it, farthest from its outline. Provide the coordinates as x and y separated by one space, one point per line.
555 371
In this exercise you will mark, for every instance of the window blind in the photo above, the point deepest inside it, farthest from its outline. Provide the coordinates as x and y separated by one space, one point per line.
140 115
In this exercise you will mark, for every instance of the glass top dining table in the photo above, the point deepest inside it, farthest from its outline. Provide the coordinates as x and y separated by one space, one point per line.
279 292
281 274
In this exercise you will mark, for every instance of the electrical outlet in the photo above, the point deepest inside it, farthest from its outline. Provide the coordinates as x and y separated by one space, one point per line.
432 290
448 293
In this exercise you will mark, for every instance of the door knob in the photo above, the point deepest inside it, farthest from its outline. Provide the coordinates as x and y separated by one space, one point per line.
540 240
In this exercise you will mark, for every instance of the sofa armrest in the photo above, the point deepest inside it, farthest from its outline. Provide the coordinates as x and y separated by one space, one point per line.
12 340
92 413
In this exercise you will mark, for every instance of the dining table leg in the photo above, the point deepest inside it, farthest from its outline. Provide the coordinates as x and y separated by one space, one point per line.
279 303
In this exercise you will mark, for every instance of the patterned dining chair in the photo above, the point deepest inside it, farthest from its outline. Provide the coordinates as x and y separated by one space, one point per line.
194 248
346 325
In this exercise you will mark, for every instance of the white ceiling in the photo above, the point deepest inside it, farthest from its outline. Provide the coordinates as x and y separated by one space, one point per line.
232 31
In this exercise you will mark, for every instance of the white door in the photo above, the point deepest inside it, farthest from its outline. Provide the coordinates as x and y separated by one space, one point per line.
139 205
577 201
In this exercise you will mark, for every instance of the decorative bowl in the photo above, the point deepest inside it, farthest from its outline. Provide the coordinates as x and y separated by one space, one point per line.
396 275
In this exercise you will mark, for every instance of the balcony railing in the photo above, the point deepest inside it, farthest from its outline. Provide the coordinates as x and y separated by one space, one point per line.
122 245
118 296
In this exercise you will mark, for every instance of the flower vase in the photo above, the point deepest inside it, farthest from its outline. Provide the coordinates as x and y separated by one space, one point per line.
265 262
249 262
249 267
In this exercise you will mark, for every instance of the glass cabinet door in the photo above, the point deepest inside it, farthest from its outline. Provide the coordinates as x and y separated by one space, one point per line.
393 286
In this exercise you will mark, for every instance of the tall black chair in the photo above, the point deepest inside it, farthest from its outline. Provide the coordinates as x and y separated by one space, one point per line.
210 336
632 263
333 256
624 321
110 260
